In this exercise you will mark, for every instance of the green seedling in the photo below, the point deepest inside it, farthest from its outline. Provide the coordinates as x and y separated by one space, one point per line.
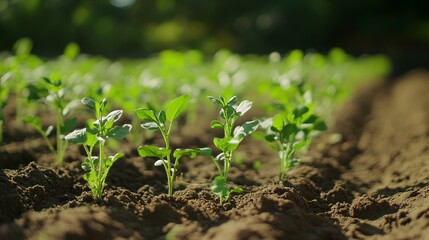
163 122
97 133
52 93
233 135
289 132
4 95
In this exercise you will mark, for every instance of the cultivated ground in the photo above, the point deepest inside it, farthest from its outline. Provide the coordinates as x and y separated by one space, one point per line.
371 184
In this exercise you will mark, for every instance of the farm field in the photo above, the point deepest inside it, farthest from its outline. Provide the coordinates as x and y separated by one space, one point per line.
364 177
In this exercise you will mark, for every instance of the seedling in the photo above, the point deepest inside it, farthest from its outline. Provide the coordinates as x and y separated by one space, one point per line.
52 93
98 132
289 132
163 122
233 136
4 95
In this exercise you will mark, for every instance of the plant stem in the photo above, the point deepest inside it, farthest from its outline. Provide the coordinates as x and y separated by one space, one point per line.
60 146
170 176
99 188
1 131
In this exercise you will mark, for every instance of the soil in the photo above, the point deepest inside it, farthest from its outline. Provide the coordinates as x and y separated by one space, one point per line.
371 183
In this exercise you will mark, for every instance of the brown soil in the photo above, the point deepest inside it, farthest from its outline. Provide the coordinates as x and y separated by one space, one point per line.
372 184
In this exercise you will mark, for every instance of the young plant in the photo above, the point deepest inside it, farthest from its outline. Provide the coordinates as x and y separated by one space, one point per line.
97 133
289 132
163 122
52 93
4 95
233 135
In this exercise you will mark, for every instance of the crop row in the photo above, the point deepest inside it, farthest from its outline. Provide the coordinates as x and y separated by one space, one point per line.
293 93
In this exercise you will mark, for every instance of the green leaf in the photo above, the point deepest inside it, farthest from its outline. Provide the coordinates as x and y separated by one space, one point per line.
152 151
311 119
216 124
119 132
220 188
176 107
192 153
91 138
288 130
146 115
215 100
246 129
150 126
69 124
270 137
298 112
114 115
278 123
162 117
77 136
237 190
115 157
244 106
294 162
89 103
320 126
232 101
33 121
71 51
86 165
225 144
298 145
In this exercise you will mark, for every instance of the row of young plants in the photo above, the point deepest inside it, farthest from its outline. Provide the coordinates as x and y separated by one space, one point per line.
285 87
288 131
330 78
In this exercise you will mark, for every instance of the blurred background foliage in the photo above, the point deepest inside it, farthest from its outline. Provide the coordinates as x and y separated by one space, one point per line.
118 28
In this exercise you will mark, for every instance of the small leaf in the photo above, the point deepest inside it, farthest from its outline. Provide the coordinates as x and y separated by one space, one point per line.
152 151
49 130
311 119
237 190
220 188
146 115
294 162
71 105
192 153
114 115
150 126
69 124
278 123
246 129
91 138
116 157
289 129
216 124
270 137
232 101
176 107
119 132
34 121
298 112
243 107
220 156
89 102
86 165
162 117
77 136
298 145
215 100
224 144
320 126
160 162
